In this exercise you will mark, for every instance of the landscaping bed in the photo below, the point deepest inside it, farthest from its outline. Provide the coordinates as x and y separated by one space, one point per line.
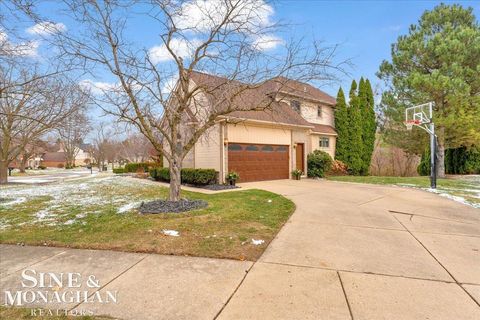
101 213
165 206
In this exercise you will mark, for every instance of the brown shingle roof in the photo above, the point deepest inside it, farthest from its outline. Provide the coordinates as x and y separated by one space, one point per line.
304 90
54 156
219 89
323 128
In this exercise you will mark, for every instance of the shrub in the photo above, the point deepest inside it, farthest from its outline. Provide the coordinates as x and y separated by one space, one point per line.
199 176
318 163
338 169
188 176
60 165
160 174
423 168
42 167
118 170
144 166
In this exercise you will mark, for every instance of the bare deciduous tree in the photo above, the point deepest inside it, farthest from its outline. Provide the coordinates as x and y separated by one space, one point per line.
135 148
31 104
73 130
154 88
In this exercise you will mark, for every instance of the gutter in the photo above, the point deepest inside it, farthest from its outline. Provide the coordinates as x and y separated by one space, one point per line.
227 118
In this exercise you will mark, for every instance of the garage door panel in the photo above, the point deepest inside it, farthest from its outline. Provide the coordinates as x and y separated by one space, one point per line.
255 162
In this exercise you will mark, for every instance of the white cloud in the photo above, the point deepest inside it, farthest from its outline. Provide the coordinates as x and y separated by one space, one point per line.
98 87
26 49
202 15
266 42
181 47
46 28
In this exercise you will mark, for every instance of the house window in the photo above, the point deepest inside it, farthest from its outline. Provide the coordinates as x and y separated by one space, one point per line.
234 147
324 142
319 111
295 104
251 147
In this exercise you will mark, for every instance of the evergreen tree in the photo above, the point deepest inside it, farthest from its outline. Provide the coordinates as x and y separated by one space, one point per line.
369 125
438 60
341 125
355 144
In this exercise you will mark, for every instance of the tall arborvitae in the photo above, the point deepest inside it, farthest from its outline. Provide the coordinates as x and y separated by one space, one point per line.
369 126
355 143
341 125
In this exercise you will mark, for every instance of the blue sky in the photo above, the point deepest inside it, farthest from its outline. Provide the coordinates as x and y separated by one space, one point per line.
365 30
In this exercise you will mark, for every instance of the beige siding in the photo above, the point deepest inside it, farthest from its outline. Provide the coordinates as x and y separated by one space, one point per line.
309 113
316 144
188 161
244 133
208 150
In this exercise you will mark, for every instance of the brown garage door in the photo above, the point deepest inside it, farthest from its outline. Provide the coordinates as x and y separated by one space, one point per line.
256 162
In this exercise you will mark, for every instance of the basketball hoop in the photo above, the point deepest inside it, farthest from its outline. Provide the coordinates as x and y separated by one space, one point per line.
410 123
422 117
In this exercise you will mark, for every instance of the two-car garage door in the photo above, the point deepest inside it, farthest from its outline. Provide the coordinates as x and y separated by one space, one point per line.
256 162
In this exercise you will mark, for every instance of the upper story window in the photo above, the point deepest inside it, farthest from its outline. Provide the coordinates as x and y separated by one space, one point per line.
295 104
324 142
319 111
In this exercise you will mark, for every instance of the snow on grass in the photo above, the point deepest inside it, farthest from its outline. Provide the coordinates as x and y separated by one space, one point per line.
127 207
62 199
172 233
457 198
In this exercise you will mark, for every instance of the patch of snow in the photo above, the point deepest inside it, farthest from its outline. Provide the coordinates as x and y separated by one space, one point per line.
269 201
173 233
127 207
454 198
257 242
69 222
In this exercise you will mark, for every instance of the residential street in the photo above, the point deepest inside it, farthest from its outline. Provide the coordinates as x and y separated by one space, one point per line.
52 175
350 251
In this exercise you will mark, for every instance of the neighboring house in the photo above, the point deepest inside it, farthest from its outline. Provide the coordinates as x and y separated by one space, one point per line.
58 159
267 145
53 159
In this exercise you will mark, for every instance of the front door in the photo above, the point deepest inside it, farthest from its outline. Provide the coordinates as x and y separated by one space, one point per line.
300 157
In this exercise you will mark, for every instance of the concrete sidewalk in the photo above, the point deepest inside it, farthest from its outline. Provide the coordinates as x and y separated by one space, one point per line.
350 251
149 286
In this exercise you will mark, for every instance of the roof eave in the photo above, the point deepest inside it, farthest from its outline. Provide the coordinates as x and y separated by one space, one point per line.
282 124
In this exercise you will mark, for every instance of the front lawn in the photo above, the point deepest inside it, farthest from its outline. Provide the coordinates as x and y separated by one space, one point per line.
100 213
464 189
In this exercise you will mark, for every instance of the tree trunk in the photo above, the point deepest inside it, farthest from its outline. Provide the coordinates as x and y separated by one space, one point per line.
3 172
23 164
175 180
440 155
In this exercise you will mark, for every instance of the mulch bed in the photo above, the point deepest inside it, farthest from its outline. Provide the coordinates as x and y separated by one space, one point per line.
164 206
216 187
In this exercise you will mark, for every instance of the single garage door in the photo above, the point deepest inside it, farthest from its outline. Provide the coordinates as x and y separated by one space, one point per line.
256 162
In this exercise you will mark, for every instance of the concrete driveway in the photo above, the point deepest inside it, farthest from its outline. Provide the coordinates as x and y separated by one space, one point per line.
354 251
350 251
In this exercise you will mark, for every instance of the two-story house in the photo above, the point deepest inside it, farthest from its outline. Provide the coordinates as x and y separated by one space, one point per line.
269 144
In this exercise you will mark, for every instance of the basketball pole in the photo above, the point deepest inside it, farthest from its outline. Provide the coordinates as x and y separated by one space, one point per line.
433 156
